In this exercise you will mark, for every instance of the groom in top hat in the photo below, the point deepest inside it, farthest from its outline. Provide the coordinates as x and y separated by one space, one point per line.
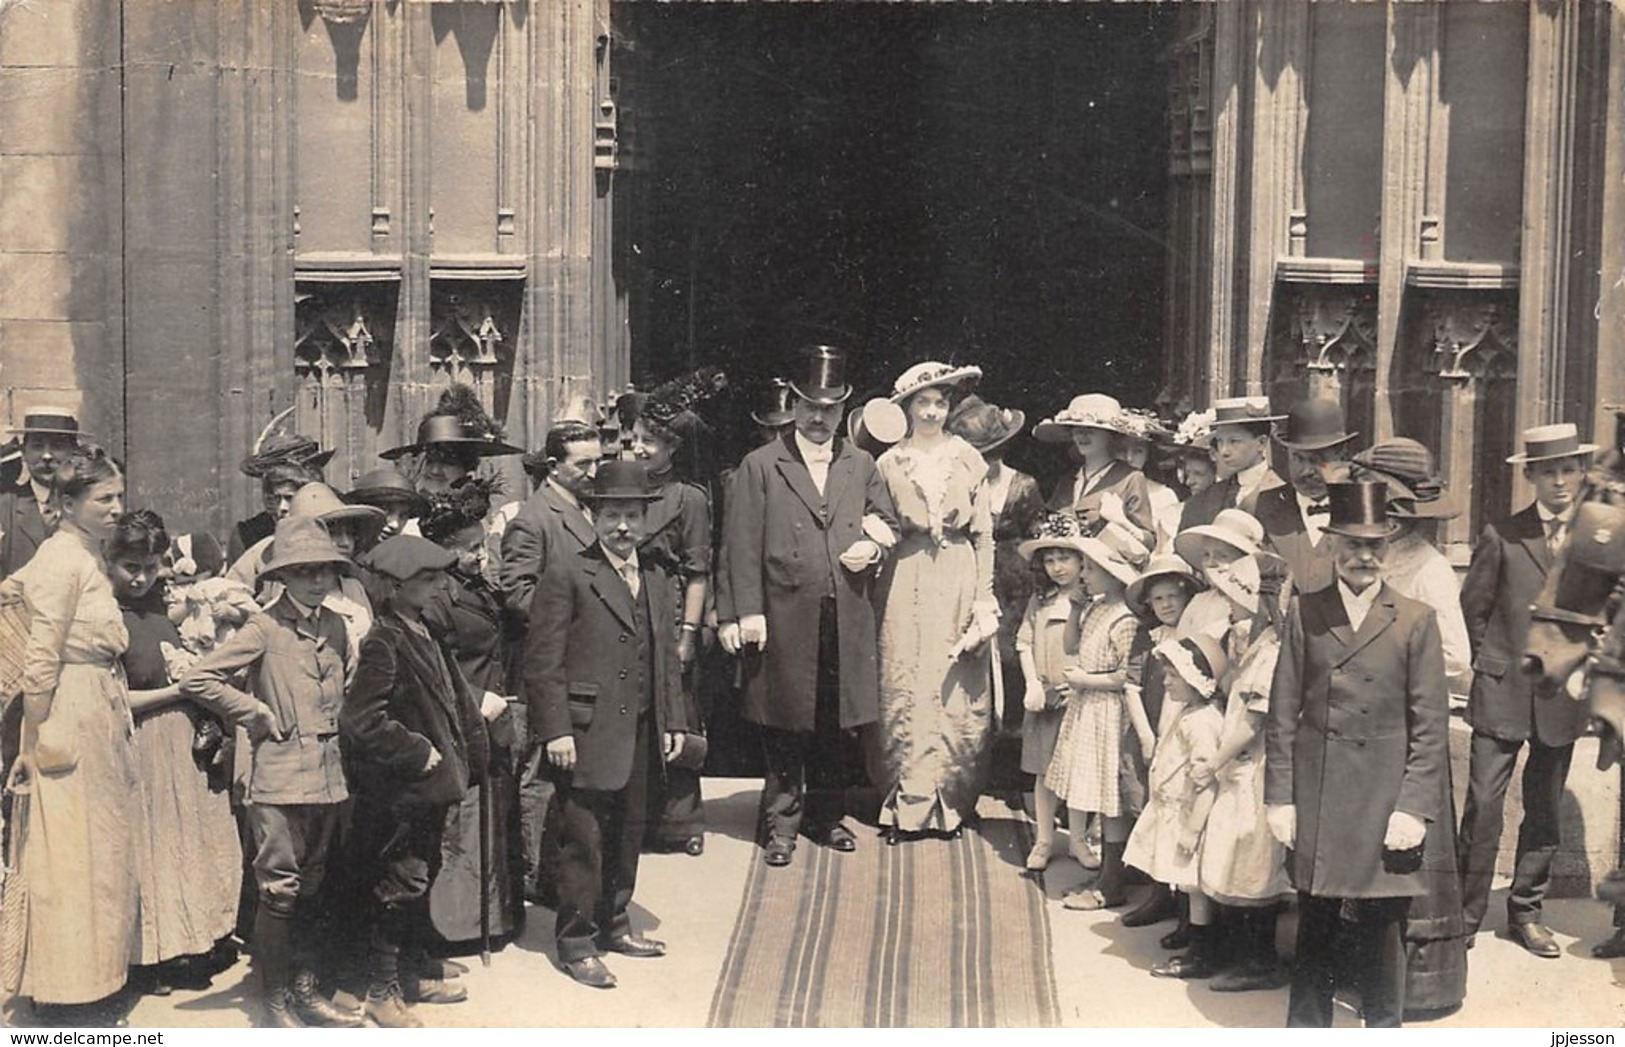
1507 707
49 434
808 519
1356 758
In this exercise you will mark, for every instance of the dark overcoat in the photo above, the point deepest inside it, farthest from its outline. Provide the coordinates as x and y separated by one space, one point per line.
1280 515
24 529
1508 569
1201 509
782 549
1357 729
584 674
400 703
546 528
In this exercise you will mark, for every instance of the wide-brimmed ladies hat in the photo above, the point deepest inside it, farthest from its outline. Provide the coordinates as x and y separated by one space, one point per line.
1057 530
1415 491
1545 442
450 431
931 373
57 421
1194 436
1198 659
825 382
300 541
1359 509
1140 424
984 426
1088 411
320 502
1160 567
1239 580
774 410
386 486
285 449
1236 528
1118 552
876 425
1314 424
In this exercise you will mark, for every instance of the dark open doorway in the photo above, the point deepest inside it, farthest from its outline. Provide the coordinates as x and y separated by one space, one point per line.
969 183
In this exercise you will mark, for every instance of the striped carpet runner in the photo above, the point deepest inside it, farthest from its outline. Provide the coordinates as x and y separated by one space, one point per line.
927 934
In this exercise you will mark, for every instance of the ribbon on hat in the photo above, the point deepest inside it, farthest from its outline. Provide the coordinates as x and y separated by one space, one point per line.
1191 664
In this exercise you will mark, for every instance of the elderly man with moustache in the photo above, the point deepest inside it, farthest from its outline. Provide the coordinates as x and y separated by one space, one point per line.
1356 749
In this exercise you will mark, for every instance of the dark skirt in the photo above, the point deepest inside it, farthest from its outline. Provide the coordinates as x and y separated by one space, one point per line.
1435 931
454 897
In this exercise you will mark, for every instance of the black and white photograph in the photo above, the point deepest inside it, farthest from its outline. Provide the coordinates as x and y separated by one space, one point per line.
812 514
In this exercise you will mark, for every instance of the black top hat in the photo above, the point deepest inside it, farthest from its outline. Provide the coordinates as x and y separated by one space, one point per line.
774 410
826 377
1314 425
447 429
1360 509
49 420
622 480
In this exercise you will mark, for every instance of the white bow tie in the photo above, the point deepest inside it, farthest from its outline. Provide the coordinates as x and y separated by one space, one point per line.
822 453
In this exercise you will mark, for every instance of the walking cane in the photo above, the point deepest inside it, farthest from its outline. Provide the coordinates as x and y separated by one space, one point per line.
485 868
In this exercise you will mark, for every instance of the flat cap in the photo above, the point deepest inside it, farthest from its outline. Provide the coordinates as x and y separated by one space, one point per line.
404 555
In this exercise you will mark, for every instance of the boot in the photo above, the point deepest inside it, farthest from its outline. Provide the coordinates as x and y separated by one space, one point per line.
1259 968
387 1009
1110 885
316 1010
1158 906
273 956
1180 936
1195 962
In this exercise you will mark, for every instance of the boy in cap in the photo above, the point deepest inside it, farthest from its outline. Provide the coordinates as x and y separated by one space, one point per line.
413 739
1507 707
293 652
607 703
1240 445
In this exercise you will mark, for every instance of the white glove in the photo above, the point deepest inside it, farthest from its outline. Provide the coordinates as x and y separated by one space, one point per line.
753 630
878 531
728 637
1283 822
860 555
493 705
1404 831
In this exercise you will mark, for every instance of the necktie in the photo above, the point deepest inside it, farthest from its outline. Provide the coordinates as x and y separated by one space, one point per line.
1555 529
630 574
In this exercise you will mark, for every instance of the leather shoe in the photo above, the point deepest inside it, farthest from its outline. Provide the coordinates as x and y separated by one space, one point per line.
633 945
836 837
417 989
694 846
1535 938
1158 906
778 851
1610 948
1189 966
1251 977
1178 938
590 971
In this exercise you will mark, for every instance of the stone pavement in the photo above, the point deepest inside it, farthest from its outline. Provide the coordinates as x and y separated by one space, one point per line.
1100 967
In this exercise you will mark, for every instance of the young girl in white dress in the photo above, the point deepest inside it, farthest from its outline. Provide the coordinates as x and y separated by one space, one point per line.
1041 647
1085 771
1166 840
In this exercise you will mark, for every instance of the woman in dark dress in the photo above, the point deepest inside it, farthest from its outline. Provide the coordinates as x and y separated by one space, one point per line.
466 615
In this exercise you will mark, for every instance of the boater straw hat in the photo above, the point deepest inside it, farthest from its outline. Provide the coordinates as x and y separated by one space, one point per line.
1545 442
57 420
931 373
1233 527
1199 660
1252 411
1089 411
1360 510
300 541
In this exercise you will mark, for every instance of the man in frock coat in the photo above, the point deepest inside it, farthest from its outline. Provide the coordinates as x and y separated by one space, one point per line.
49 434
1509 708
1355 759
808 519
1295 515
